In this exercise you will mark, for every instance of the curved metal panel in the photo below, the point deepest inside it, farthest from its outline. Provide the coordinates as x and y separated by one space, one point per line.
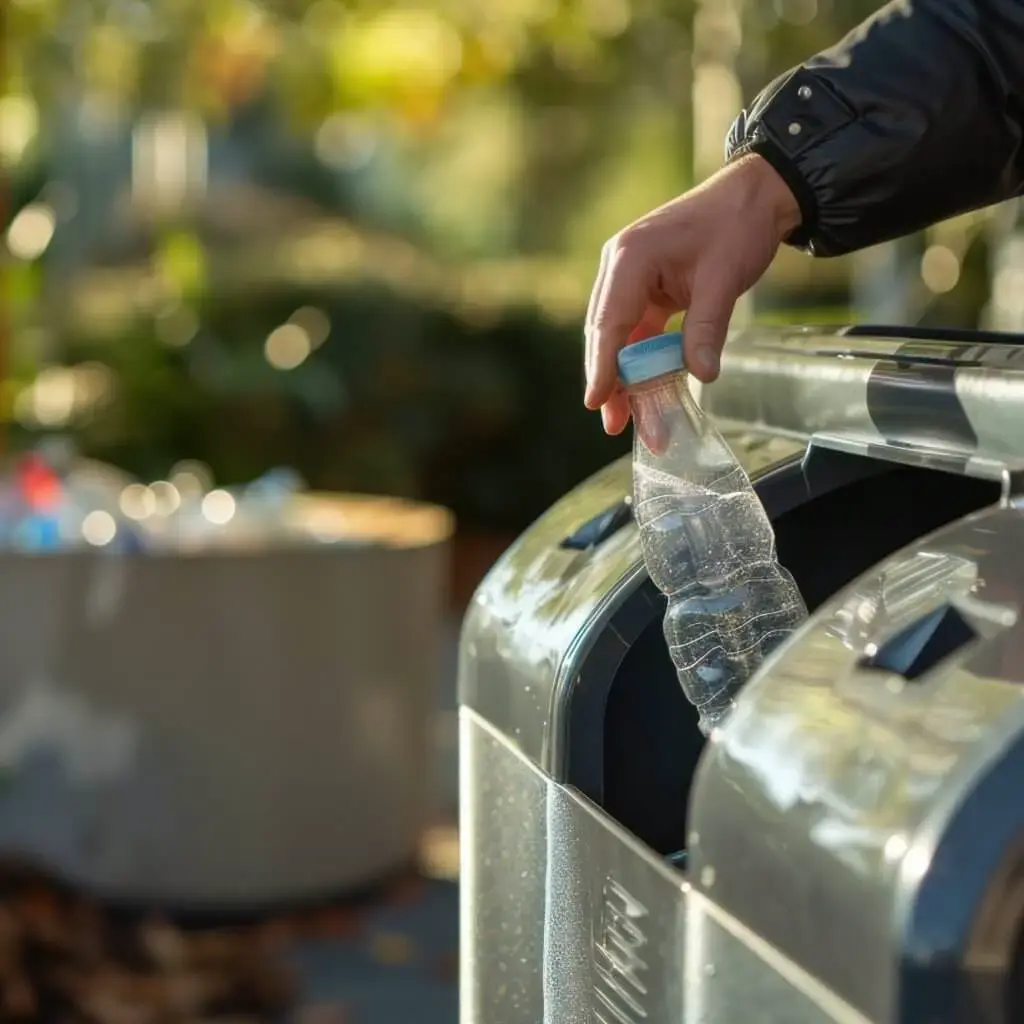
864 789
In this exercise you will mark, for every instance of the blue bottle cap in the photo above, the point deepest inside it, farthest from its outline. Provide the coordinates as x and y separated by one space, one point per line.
653 357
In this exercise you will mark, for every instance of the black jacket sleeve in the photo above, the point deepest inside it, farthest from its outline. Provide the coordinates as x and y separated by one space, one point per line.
915 116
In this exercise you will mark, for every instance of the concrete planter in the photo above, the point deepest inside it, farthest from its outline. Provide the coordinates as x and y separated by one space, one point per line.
224 729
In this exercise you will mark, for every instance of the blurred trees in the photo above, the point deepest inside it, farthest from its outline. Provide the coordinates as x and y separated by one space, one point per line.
511 103
476 133
530 126
432 179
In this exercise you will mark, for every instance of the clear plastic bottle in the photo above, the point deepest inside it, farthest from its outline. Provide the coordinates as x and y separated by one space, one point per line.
707 542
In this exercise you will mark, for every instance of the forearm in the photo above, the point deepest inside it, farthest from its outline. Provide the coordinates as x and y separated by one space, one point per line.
914 117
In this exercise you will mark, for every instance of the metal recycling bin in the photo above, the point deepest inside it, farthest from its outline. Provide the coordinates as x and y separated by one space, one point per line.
220 730
850 847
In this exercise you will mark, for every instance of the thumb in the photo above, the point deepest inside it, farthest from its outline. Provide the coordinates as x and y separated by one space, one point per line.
706 325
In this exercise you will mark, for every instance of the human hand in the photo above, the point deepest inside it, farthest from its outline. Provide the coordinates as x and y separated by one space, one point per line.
697 253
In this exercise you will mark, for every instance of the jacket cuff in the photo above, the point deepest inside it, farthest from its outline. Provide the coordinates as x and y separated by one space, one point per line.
786 123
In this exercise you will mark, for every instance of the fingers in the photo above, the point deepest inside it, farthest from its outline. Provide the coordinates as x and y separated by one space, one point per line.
615 412
618 310
595 296
707 323
651 323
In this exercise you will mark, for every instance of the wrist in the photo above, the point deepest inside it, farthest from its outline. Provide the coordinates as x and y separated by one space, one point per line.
779 197
769 192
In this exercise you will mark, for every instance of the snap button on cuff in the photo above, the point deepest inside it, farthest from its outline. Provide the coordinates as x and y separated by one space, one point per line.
802 112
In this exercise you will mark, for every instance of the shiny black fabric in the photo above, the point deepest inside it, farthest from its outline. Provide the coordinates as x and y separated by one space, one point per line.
915 116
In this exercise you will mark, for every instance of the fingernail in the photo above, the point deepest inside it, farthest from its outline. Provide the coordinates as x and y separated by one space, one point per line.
706 359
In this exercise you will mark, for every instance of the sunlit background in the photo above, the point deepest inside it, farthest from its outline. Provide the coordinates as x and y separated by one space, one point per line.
355 240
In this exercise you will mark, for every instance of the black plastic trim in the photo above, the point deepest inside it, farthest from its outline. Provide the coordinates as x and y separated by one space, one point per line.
955 334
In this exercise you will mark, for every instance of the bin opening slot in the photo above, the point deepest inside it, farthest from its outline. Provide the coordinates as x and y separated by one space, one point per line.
649 744
919 647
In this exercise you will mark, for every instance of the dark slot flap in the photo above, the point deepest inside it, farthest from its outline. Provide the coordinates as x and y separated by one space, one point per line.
923 644
597 530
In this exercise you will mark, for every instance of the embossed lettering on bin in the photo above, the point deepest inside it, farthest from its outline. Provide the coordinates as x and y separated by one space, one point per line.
619 968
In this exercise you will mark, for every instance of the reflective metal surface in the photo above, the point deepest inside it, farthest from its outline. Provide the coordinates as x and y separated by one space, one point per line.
542 607
960 402
856 837
567 919
853 779
956 406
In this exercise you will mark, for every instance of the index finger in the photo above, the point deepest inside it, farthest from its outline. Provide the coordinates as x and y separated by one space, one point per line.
619 309
595 296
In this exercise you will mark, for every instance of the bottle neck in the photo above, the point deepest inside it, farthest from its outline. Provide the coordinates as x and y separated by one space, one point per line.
677 381
664 412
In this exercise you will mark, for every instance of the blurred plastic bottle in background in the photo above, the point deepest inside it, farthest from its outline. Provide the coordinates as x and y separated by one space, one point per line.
263 504
33 498
50 500
267 497
707 542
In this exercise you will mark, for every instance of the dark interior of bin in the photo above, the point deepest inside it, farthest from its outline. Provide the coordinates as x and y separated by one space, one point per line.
651 741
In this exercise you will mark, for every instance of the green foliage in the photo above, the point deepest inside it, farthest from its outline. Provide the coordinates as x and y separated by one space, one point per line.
429 79
403 398
458 130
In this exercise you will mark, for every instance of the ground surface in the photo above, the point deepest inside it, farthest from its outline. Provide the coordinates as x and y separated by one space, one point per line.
402 967
64 959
